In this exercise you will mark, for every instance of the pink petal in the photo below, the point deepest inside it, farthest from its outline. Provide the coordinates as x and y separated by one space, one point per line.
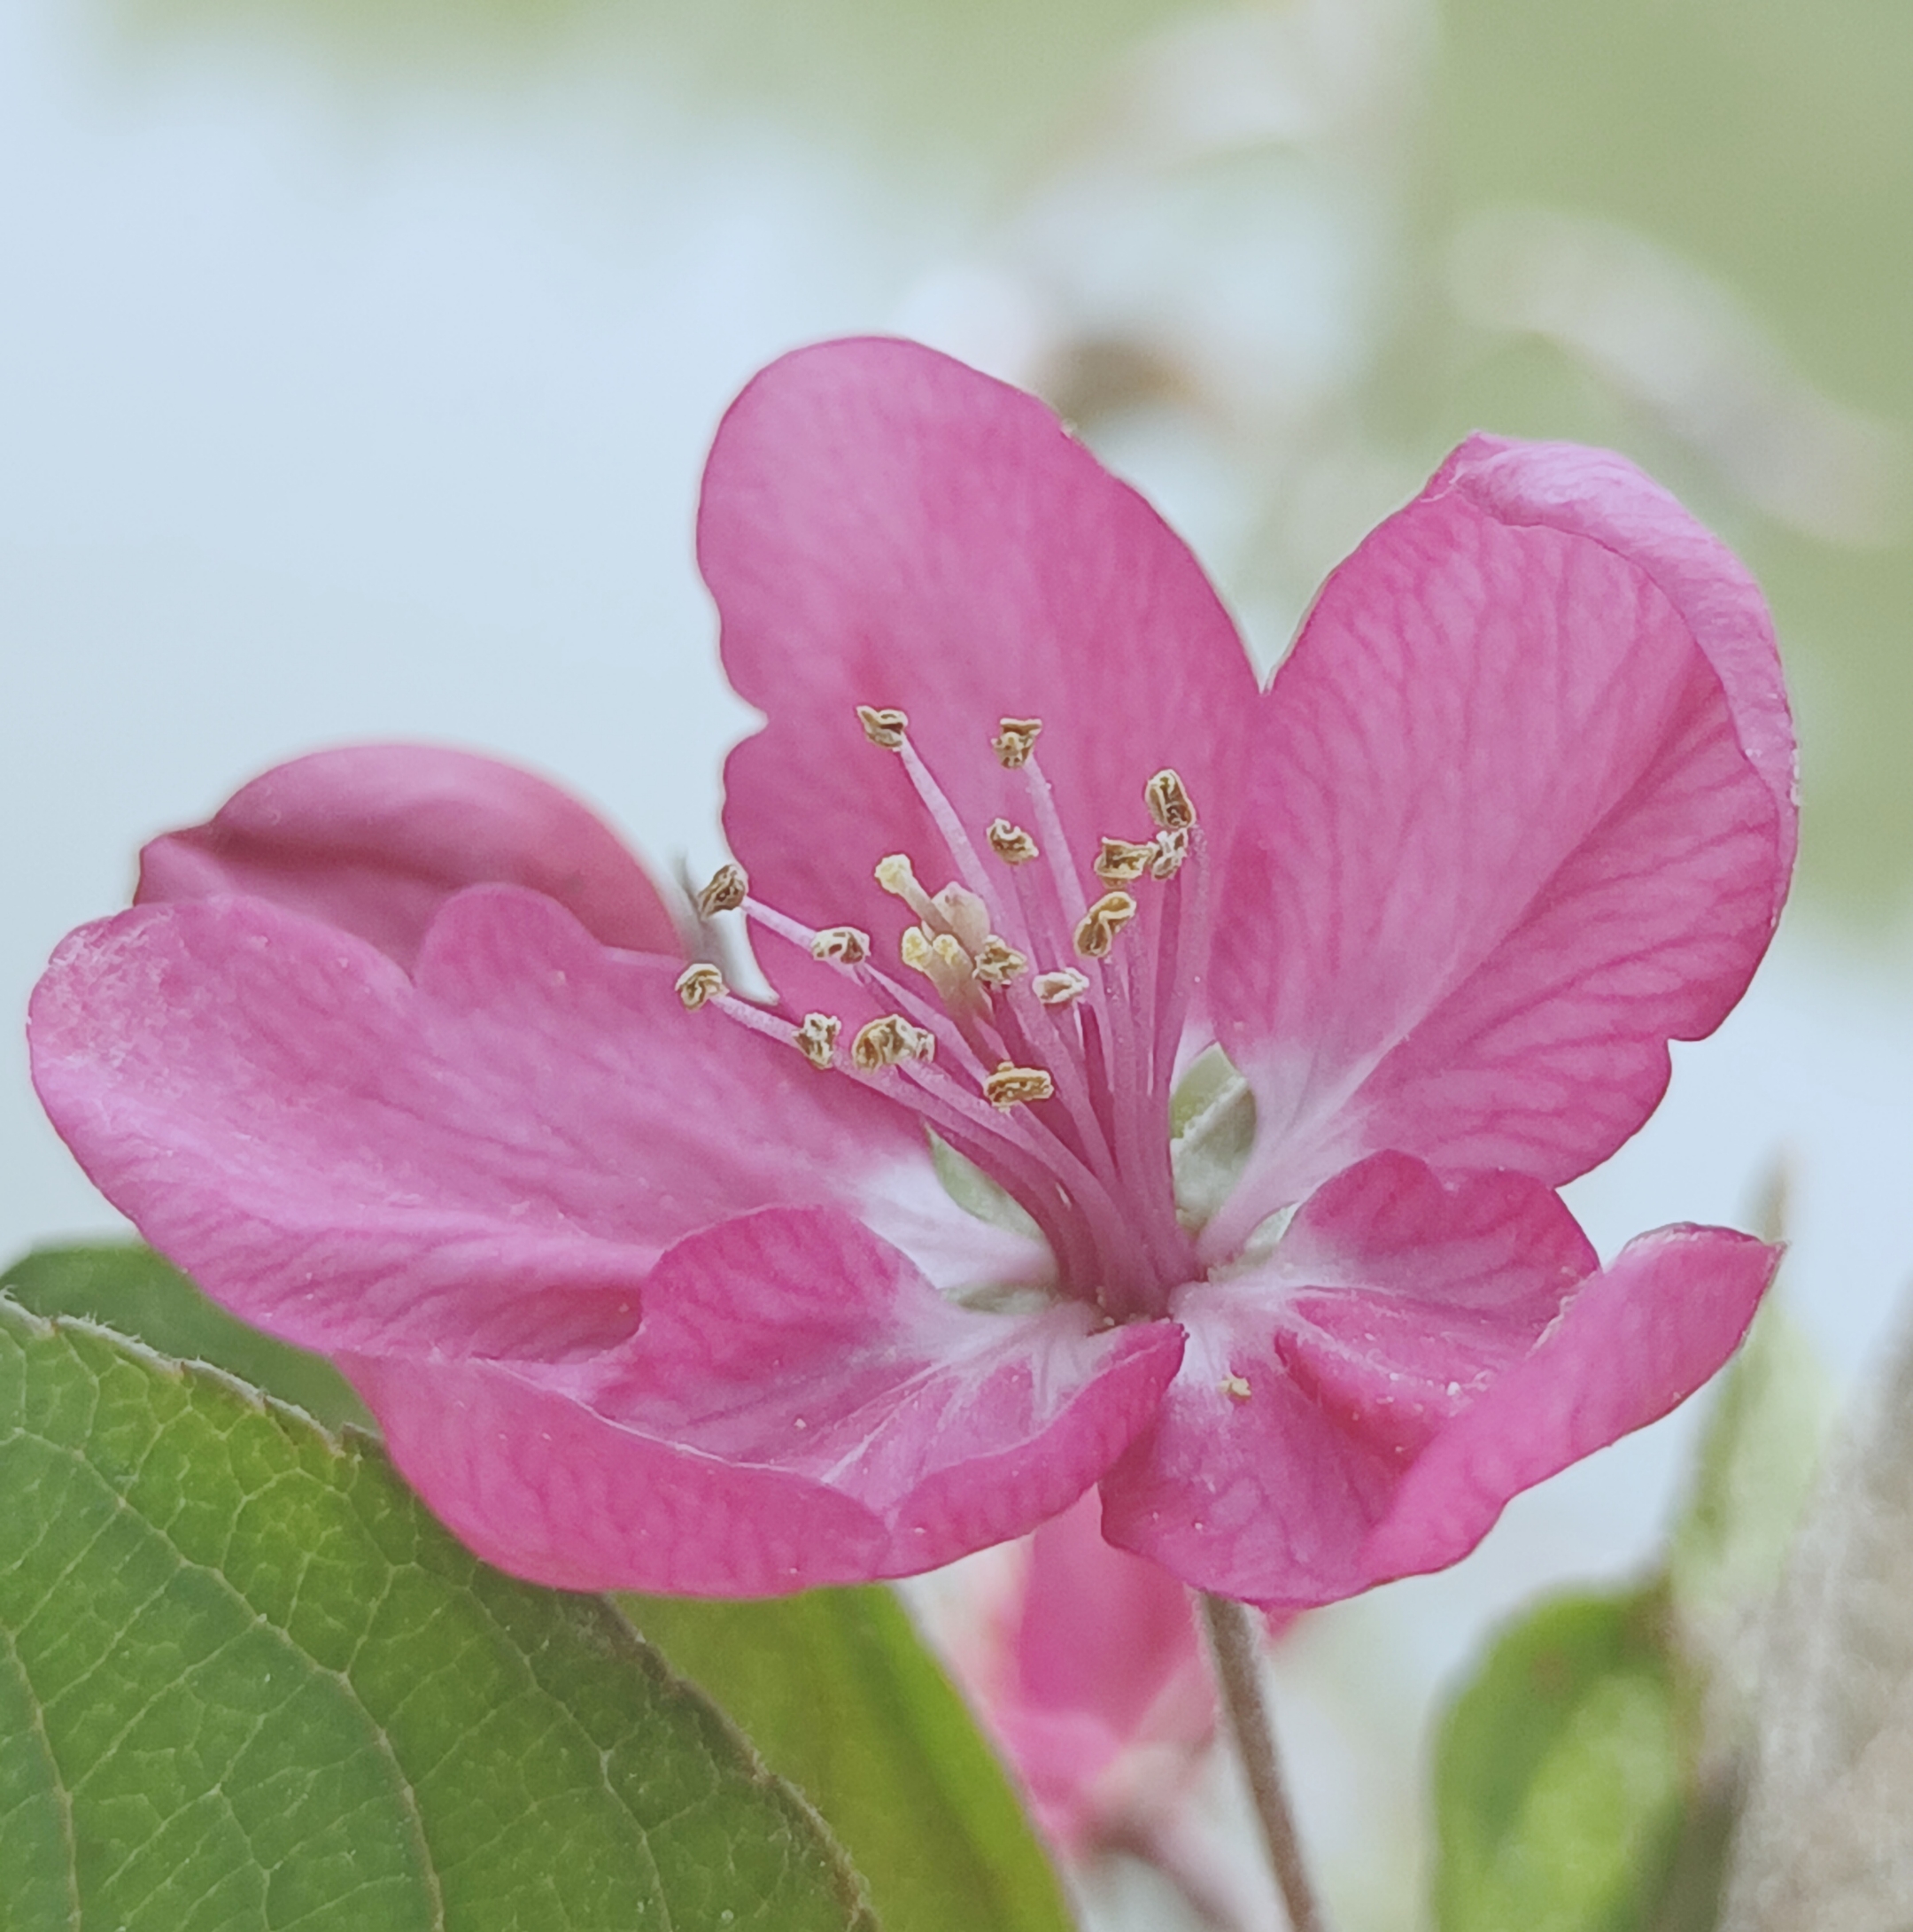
1393 1299
882 525
1521 814
1635 1343
374 838
799 1407
1315 1487
1108 1634
486 1158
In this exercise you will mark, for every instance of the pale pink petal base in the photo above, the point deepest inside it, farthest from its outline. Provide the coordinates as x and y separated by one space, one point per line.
800 1407
375 839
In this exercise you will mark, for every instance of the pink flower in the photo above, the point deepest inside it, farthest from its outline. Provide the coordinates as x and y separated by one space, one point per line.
1087 1664
673 1299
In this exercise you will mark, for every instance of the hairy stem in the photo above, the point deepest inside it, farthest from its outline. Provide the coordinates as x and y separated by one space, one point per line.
1237 1650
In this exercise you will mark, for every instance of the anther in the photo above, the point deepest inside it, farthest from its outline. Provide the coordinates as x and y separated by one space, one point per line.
997 962
883 728
1235 1387
816 1038
725 893
1015 740
843 946
1168 852
1063 988
1011 1086
898 877
1097 930
1168 802
1010 843
698 983
1119 863
886 1042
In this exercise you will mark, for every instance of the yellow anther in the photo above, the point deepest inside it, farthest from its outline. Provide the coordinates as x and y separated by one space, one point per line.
1096 931
1168 802
1010 843
816 1038
844 945
1119 863
1015 740
1063 988
699 983
1235 1387
997 963
1012 1086
725 892
898 877
886 1042
1169 850
883 728
915 948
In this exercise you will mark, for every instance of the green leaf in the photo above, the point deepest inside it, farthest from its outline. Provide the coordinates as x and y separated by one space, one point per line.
1752 1478
246 1682
1558 1775
837 1692
128 1289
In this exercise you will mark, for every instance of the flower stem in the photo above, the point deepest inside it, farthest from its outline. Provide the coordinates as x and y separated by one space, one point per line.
1238 1661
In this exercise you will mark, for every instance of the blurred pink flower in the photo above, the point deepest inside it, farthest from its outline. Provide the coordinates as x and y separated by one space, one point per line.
1087 1664
674 1300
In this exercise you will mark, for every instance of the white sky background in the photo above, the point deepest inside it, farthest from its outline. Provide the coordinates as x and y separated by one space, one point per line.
321 422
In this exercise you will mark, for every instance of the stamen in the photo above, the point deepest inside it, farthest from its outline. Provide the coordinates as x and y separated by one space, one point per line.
698 983
884 728
898 877
998 963
1063 988
842 945
1121 864
1015 739
725 892
1096 933
889 1041
1170 850
1168 802
1015 1086
816 1038
1235 1387
1010 843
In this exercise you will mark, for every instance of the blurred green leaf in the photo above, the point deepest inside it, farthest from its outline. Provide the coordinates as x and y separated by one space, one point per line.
128 1289
1752 1478
838 1692
248 1681
1558 1777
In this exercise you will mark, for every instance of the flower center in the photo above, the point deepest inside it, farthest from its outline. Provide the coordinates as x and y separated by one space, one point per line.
1033 1027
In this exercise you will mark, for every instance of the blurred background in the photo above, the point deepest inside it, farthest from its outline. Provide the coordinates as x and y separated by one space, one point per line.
358 359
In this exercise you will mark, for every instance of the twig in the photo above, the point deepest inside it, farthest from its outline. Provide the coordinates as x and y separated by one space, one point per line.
1237 1651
